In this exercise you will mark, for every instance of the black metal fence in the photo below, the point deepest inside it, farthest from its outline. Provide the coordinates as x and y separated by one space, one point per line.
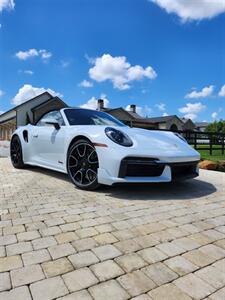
205 140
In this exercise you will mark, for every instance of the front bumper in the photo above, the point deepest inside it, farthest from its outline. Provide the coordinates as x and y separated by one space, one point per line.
143 170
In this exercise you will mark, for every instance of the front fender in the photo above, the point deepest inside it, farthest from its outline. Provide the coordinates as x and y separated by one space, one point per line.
24 144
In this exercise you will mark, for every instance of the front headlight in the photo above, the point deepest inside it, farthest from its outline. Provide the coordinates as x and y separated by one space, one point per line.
118 137
180 137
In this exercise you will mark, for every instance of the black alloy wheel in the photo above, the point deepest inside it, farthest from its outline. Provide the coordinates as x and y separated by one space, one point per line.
82 165
16 153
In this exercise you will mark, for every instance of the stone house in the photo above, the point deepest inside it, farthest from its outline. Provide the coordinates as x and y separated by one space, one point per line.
133 119
128 117
27 112
188 125
167 122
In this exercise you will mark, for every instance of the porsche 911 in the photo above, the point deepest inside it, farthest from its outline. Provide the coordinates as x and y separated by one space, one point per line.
95 148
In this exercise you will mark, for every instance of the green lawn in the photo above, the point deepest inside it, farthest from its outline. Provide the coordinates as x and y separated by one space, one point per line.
216 155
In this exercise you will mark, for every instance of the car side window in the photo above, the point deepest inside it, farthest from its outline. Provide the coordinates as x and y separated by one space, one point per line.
55 116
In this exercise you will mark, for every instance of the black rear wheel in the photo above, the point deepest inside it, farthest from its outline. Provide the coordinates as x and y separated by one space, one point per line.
16 153
82 165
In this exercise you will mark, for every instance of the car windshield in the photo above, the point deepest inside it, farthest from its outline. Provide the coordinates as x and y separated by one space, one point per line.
90 117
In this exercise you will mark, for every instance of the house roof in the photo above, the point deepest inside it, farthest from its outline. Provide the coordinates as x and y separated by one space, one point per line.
46 97
6 112
162 119
62 103
201 124
7 120
133 115
185 120
20 105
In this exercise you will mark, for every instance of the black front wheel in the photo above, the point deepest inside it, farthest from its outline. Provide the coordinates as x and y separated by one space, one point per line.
16 153
82 165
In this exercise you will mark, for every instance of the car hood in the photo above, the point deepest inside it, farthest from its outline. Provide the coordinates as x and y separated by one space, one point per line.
157 140
151 141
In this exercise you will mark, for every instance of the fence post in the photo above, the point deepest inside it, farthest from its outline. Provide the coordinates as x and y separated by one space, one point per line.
223 137
195 137
210 144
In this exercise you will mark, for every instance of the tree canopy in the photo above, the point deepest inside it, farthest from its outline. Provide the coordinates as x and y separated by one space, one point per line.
217 126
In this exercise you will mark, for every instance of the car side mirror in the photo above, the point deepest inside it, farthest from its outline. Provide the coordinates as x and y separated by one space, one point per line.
52 122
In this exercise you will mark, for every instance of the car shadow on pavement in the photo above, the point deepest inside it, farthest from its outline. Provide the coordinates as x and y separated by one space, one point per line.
183 190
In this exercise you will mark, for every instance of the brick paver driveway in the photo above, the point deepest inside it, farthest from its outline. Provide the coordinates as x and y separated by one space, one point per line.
135 242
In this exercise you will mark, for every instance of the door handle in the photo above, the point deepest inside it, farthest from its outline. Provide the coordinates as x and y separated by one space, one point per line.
35 136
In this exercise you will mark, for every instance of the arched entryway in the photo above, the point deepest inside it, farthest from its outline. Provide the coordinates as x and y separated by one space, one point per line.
173 127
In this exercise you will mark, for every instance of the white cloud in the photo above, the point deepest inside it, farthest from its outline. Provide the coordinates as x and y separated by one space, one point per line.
85 83
191 110
118 70
65 63
1 112
27 92
29 72
222 91
93 102
191 116
45 54
189 10
214 115
24 55
161 106
205 92
143 111
6 4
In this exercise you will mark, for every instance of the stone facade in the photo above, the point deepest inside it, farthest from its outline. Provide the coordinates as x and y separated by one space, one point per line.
6 130
167 123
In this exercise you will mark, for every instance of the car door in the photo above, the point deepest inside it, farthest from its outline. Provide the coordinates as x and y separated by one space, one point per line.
48 142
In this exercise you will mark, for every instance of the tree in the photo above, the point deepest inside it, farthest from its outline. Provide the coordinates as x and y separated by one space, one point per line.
217 126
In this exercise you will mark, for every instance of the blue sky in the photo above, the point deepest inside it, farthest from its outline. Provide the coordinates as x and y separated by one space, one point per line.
167 57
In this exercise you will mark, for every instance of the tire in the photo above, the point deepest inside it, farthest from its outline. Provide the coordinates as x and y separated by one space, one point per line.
16 153
82 165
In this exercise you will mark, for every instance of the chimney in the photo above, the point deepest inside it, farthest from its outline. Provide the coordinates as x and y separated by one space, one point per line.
133 108
100 104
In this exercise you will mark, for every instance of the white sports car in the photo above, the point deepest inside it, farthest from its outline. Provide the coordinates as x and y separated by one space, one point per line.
94 148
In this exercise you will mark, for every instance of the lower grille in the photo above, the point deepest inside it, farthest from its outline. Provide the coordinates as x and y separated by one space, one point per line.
144 171
179 171
151 167
140 167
